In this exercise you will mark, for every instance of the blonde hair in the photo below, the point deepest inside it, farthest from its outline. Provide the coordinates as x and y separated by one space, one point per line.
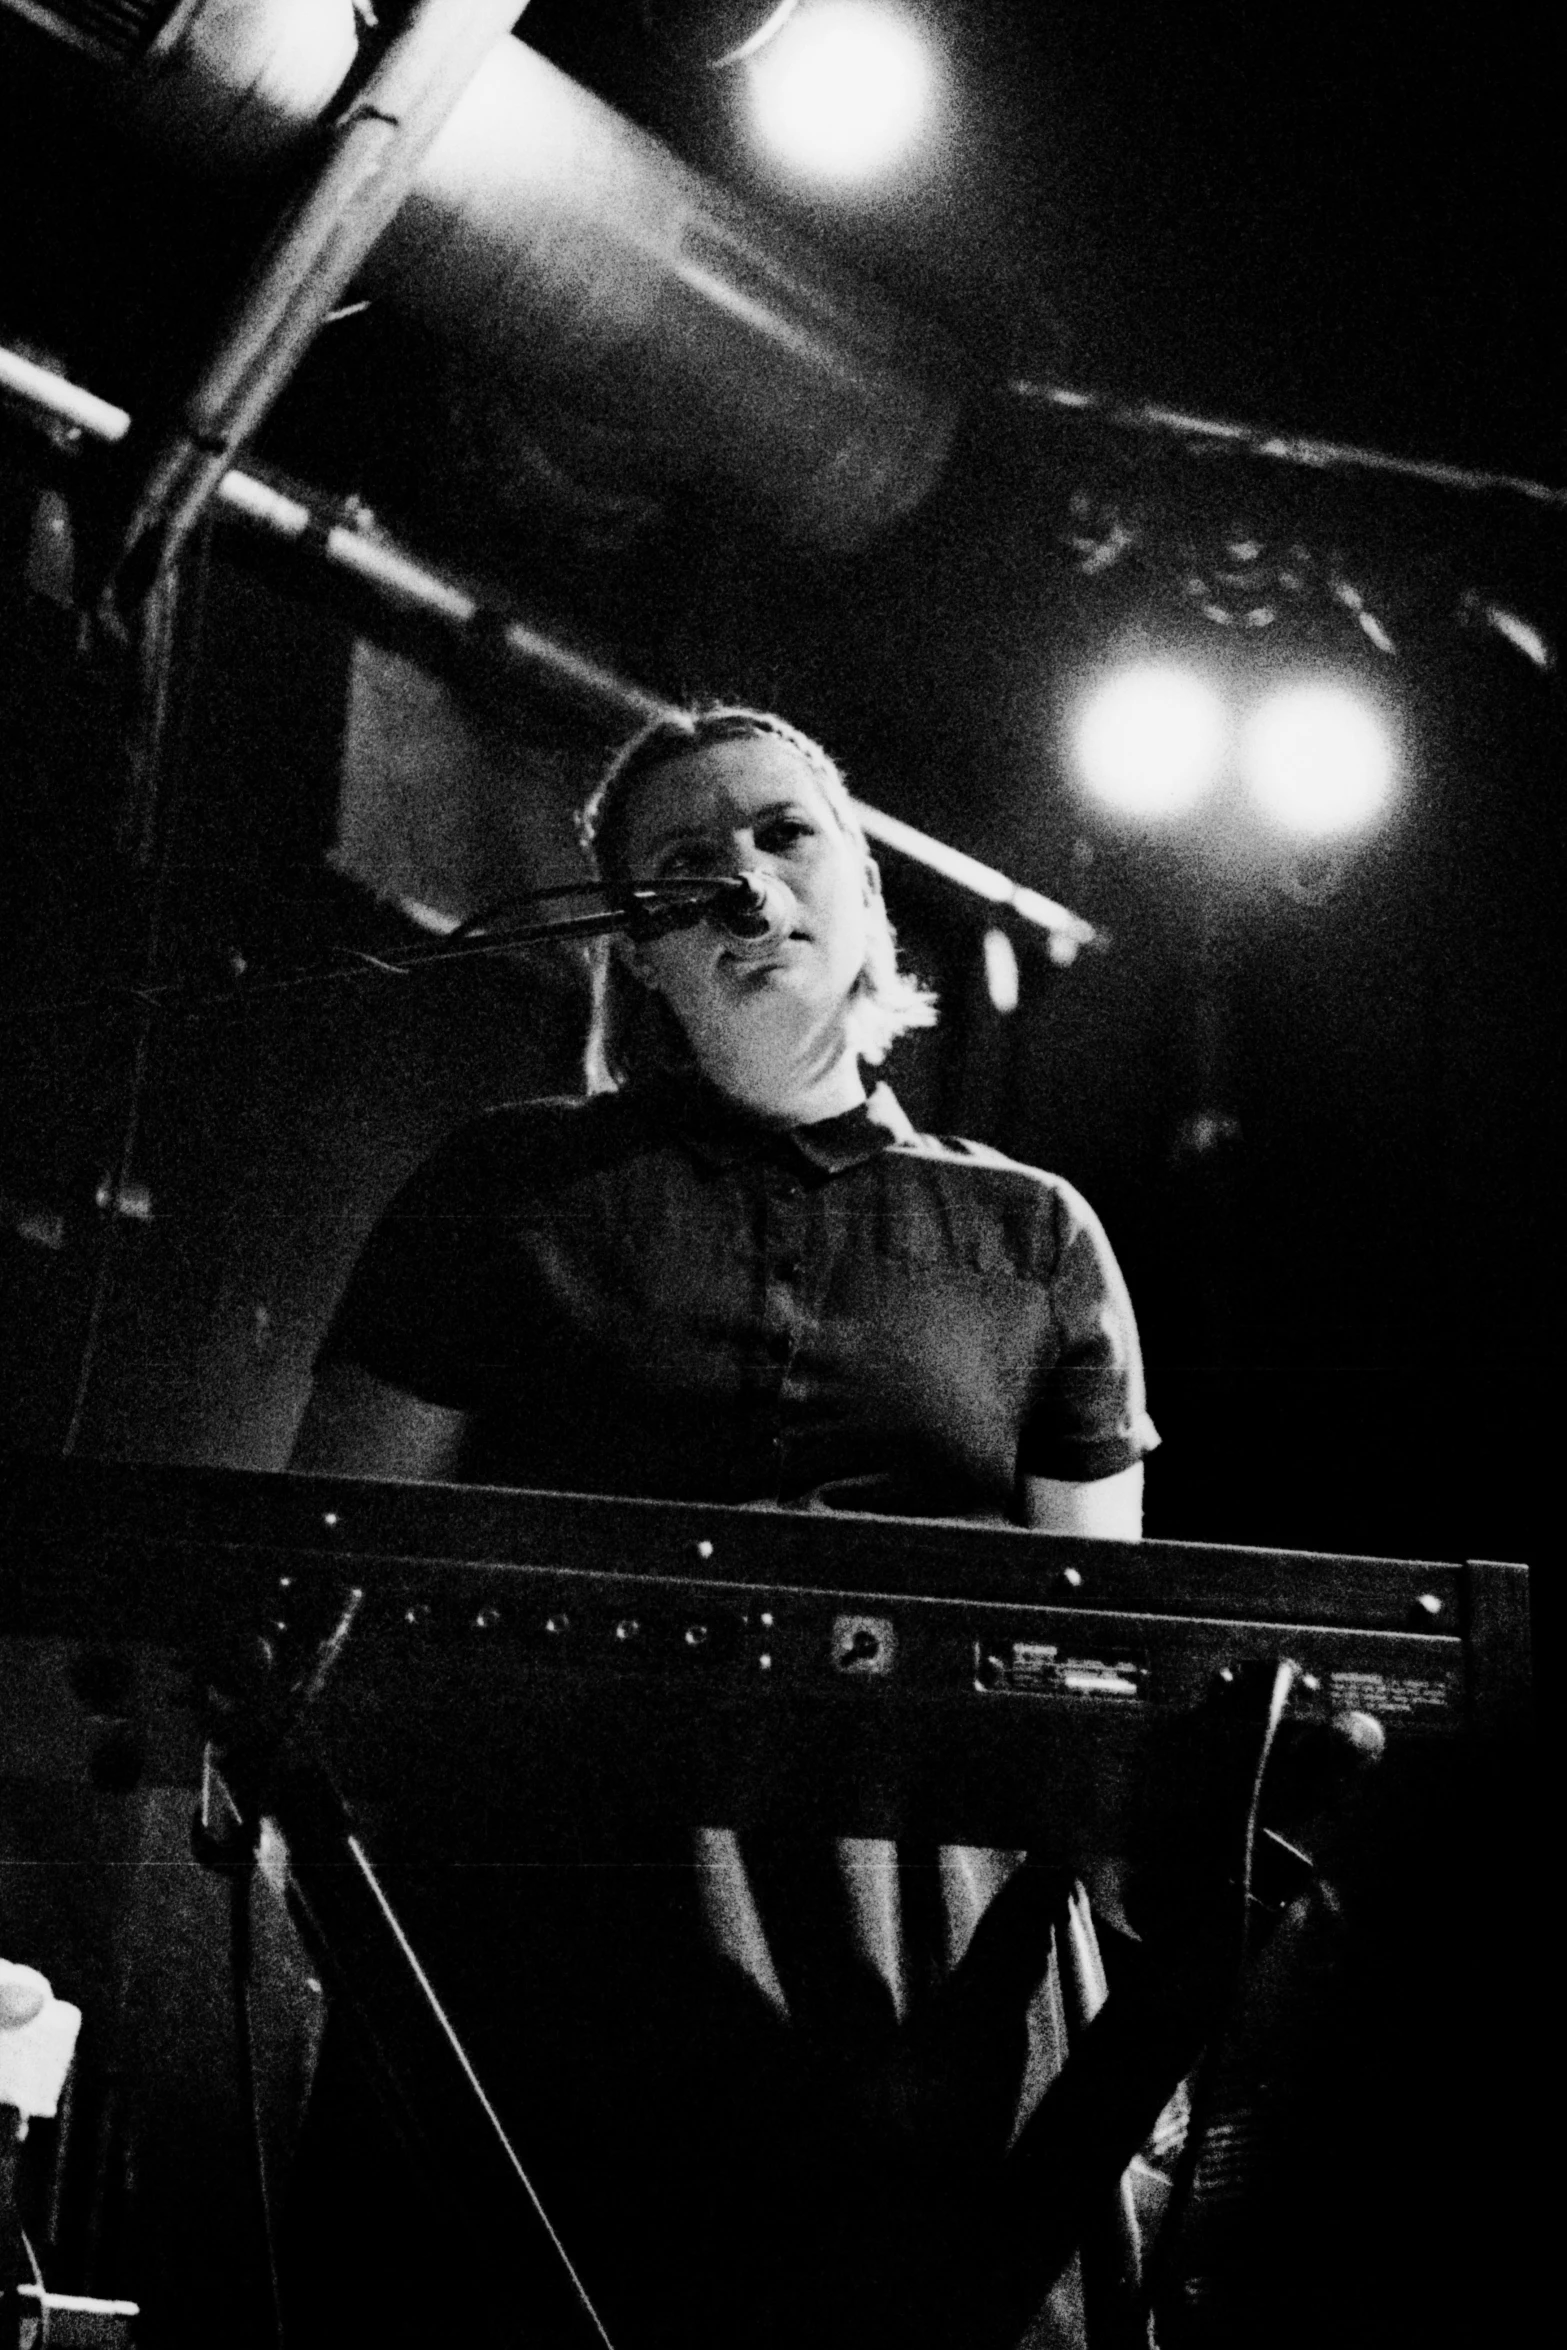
633 1032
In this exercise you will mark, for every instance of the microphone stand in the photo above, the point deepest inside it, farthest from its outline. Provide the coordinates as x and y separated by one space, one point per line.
650 910
260 1772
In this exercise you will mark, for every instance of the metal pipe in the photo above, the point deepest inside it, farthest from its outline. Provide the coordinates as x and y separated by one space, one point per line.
1288 448
368 169
101 420
409 586
244 79
575 255
1067 931
651 318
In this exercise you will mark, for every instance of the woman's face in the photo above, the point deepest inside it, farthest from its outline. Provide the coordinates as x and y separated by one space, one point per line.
753 806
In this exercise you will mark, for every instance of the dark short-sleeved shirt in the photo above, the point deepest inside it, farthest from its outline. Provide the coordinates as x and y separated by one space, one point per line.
649 1293
653 1293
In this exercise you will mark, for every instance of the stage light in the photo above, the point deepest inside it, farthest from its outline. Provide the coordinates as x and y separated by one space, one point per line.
1318 759
1003 980
1151 741
841 91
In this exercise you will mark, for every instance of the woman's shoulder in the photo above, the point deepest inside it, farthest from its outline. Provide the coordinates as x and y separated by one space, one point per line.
962 1153
546 1141
1044 1212
545 1128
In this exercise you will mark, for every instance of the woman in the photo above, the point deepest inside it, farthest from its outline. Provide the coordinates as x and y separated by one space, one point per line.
732 1273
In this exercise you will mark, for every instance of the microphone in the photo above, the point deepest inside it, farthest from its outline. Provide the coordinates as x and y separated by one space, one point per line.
753 908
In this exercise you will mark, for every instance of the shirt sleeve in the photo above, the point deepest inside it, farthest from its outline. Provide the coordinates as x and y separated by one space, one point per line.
419 1308
1089 1416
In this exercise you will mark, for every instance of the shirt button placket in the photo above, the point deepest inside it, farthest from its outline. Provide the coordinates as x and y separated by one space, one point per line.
783 1260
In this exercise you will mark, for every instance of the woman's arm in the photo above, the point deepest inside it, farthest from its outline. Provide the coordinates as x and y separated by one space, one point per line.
1110 1508
355 1425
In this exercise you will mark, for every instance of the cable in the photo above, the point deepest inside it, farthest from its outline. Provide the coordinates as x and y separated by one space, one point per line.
1204 2077
497 2128
41 2338
663 897
1285 1674
646 911
474 924
649 912
240 1955
160 756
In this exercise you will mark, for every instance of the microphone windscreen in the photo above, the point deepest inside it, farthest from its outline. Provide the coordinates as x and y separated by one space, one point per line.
755 908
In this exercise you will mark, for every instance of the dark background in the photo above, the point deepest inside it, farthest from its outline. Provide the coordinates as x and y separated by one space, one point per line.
1314 1099
1312 1108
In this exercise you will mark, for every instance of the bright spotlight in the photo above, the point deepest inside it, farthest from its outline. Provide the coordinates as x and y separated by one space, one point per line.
1318 759
1151 741
1003 980
841 91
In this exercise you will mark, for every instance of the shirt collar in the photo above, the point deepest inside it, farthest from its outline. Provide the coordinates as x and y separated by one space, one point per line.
723 1134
